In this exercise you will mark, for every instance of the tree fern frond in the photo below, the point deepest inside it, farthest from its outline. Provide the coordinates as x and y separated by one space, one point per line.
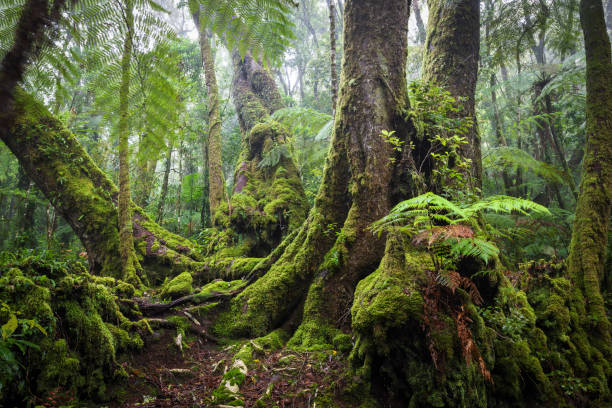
513 158
476 247
506 204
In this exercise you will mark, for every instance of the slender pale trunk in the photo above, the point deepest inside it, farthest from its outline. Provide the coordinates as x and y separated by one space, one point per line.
164 187
180 188
332 54
211 151
126 242
51 224
558 147
421 33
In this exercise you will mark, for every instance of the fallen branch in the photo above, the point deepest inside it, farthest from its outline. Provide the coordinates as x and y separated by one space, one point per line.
166 324
152 309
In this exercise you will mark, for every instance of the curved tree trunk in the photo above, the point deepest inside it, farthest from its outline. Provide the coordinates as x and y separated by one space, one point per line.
333 249
590 233
53 158
451 61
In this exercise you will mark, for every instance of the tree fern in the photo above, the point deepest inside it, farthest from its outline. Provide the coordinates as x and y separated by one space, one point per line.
273 156
513 158
261 26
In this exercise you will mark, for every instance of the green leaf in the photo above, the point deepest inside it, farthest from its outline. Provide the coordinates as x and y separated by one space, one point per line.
9 327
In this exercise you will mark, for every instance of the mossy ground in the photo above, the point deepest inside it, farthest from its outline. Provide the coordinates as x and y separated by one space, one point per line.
525 335
85 331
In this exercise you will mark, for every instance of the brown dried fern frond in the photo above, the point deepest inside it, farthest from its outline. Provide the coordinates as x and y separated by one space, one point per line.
442 233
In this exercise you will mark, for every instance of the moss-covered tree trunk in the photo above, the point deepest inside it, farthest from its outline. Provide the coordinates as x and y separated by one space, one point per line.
129 263
212 151
333 250
30 35
451 61
268 199
590 233
53 158
146 163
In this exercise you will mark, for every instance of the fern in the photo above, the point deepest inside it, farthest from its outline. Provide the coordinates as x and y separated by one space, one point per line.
438 222
273 156
261 26
513 158
476 247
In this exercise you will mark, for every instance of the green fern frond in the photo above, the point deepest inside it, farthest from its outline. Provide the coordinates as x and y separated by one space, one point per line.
474 247
513 158
506 204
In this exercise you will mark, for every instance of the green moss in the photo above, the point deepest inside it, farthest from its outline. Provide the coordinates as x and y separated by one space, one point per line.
177 287
182 323
85 330
270 200
218 287
342 342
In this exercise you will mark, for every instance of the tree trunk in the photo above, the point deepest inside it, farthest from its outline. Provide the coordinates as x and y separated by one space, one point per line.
332 54
180 188
268 199
333 250
496 121
451 61
30 35
129 263
590 233
421 33
145 172
212 152
545 137
559 150
164 188
609 17
86 197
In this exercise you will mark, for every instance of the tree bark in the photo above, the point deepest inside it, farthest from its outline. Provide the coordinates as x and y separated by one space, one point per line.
590 233
268 199
333 248
87 199
421 32
129 263
332 54
164 188
30 36
211 152
145 172
451 61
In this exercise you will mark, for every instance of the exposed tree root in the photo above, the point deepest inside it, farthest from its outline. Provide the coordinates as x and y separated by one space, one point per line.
195 329
153 309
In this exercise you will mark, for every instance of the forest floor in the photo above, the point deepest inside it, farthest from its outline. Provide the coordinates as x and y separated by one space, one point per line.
163 376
